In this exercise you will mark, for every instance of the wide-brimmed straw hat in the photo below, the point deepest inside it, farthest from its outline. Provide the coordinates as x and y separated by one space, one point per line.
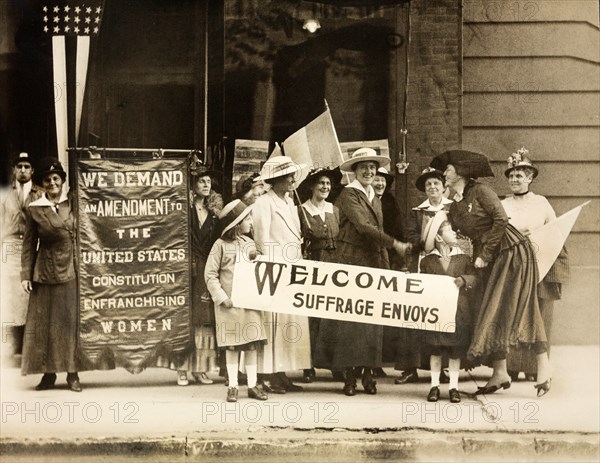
279 166
428 173
383 172
518 160
49 166
232 214
362 155
431 230
468 164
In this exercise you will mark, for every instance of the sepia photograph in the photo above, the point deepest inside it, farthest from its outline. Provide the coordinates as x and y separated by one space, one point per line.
300 230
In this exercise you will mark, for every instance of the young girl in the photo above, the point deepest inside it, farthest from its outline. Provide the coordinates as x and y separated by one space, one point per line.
447 258
237 329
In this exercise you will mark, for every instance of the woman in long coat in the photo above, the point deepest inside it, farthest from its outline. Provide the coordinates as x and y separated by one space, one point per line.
206 205
48 275
349 346
277 236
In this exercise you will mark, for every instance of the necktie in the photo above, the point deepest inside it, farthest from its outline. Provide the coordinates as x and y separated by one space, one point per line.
21 192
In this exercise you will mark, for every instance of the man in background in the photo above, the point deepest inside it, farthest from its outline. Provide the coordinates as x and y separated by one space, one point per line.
14 201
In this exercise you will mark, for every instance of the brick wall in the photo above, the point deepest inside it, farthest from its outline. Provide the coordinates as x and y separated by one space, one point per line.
434 116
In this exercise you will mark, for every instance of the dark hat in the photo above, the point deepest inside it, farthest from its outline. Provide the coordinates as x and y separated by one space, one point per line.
519 160
383 172
232 214
199 169
428 173
203 171
334 175
49 166
245 184
21 157
468 164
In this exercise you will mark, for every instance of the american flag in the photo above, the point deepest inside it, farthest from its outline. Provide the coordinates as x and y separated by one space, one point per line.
70 25
72 18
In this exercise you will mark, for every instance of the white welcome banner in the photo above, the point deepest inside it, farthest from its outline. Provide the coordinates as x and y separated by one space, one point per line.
348 293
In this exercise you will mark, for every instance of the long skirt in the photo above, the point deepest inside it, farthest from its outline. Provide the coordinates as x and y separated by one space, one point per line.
51 329
523 358
288 343
201 355
342 345
509 312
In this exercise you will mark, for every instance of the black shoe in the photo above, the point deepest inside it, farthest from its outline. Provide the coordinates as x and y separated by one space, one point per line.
543 388
434 394
530 377
73 382
454 396
407 376
368 383
47 382
256 393
287 384
274 388
339 376
491 389
349 389
232 394
379 373
309 375
444 379
370 387
514 375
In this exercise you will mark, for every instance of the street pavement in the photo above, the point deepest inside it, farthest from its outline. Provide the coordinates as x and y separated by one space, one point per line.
147 417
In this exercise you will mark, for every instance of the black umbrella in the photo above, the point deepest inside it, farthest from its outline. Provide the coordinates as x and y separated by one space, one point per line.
468 164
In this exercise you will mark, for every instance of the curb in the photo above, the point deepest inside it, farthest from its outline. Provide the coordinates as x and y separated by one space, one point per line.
320 445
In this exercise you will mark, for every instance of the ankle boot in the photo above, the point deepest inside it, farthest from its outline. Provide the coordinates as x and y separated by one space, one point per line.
73 382
47 382
368 382
350 383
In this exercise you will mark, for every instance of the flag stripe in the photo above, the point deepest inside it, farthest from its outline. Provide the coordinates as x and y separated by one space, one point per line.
83 53
315 145
59 74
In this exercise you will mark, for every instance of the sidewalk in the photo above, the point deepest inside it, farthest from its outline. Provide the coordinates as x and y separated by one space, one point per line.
147 416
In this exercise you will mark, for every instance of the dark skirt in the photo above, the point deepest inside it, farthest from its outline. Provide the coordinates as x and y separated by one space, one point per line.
51 329
343 345
524 358
509 312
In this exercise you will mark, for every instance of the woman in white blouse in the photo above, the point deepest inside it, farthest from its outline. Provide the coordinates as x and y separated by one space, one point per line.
528 211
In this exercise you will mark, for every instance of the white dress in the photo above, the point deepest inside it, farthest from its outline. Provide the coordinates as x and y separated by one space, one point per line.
277 237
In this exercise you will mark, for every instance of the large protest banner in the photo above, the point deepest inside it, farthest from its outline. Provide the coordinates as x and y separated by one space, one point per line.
346 292
133 261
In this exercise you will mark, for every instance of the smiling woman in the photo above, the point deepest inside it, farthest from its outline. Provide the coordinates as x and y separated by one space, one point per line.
48 274
348 346
528 211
